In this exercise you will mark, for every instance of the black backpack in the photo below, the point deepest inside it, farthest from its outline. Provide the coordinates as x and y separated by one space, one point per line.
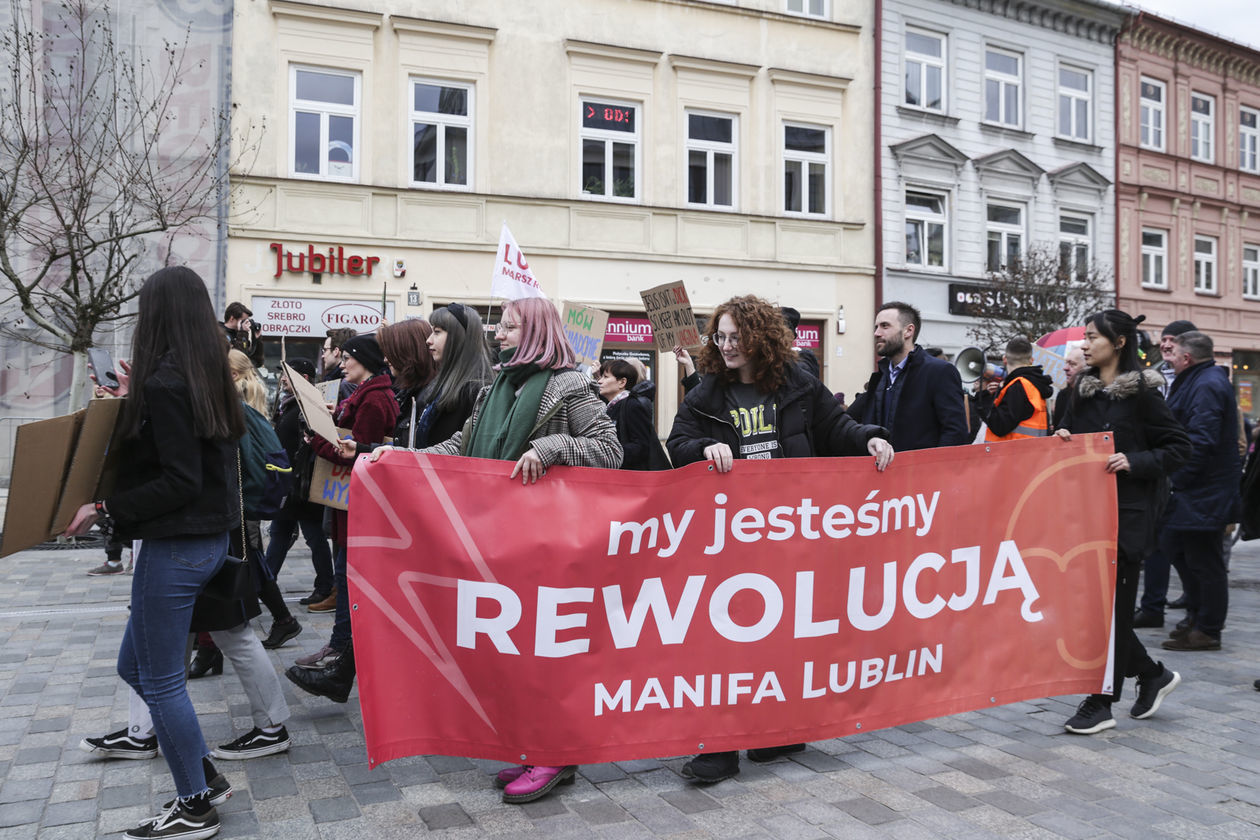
266 474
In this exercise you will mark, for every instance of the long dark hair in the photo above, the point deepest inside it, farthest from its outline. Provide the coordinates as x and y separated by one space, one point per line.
465 358
1113 324
177 322
404 345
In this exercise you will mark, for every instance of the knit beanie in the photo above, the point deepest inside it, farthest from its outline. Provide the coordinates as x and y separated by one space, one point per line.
1177 328
364 350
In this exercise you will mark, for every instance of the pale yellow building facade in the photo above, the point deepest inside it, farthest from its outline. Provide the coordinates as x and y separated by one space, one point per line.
626 143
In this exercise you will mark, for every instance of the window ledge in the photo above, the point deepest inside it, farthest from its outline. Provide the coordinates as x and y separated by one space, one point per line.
1077 144
926 115
1149 288
1010 131
1207 294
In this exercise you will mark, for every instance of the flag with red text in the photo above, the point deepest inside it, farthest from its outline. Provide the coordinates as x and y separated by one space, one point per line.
512 278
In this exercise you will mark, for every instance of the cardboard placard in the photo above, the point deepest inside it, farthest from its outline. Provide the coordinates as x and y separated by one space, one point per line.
314 408
584 326
330 484
673 322
331 390
59 465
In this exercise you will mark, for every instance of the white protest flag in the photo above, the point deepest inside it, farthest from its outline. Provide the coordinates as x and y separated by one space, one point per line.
512 278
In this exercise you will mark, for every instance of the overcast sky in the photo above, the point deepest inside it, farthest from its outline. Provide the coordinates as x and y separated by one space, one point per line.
1237 20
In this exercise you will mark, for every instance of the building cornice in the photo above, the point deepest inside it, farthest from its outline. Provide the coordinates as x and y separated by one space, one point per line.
611 51
325 14
1090 21
1184 44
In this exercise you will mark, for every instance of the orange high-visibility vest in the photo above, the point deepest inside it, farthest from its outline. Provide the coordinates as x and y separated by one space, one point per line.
1038 425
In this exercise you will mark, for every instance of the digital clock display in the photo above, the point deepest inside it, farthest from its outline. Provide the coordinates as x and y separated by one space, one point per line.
608 117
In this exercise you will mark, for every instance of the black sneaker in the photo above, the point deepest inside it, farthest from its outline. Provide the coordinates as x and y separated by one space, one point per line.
1093 715
254 744
177 823
1143 618
121 744
771 753
220 792
1152 692
281 632
712 767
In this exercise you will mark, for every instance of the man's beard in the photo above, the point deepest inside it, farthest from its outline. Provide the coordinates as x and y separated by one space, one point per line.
891 347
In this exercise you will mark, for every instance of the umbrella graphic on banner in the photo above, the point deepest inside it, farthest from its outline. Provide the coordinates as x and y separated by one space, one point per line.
1050 351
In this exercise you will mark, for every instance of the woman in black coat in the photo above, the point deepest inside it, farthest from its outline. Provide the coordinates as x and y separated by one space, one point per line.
1114 393
630 409
754 402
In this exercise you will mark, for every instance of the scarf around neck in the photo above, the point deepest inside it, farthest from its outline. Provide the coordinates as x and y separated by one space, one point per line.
507 419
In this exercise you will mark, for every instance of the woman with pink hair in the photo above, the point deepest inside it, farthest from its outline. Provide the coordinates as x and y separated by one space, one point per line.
538 412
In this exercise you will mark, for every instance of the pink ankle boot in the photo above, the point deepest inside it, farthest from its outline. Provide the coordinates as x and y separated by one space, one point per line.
507 776
536 782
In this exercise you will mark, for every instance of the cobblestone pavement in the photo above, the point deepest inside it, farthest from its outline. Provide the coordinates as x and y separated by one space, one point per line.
1193 771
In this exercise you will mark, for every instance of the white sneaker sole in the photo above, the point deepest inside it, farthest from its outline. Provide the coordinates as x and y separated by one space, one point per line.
1109 723
1159 698
256 752
109 752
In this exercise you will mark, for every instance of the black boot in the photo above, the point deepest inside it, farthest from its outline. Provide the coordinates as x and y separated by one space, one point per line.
333 682
207 661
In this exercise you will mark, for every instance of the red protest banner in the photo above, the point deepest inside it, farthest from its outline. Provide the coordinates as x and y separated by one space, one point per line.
583 619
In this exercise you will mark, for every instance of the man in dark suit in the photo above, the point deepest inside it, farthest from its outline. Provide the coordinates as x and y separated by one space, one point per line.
918 397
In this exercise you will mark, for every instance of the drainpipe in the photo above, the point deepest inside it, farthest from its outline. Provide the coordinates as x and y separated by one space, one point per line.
878 135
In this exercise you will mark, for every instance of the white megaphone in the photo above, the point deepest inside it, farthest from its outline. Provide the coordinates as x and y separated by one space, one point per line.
970 364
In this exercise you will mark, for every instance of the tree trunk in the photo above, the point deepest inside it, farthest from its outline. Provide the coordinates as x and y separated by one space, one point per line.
80 385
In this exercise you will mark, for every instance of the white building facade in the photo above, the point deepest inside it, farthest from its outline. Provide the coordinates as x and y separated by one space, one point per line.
626 144
997 135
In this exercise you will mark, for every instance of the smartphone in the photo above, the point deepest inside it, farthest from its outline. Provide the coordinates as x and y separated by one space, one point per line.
103 366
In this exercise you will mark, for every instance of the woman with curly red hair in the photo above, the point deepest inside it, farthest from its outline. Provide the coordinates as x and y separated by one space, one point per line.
754 402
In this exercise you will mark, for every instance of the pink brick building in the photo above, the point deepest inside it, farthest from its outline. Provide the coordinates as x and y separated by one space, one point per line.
1188 188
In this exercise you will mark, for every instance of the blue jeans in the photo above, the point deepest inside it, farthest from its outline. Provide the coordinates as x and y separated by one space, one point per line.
284 533
340 640
169 573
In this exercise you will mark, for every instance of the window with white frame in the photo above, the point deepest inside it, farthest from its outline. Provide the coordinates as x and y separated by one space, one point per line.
441 134
1248 139
806 156
1154 258
925 70
1075 93
1001 86
1251 271
808 8
1005 231
927 229
1205 265
711 161
1202 126
610 149
1151 117
323 123
1074 245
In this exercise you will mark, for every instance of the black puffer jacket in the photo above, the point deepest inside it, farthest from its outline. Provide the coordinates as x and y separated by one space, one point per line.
633 416
810 421
1145 430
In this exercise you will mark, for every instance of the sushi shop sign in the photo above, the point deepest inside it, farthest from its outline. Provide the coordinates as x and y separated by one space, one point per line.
312 317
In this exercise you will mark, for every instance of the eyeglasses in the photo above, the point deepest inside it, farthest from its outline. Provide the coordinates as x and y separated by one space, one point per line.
506 326
719 339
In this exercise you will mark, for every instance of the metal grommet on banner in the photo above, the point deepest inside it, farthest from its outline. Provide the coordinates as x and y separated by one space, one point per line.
859 726
992 699
354 606
710 468
522 756
701 746
988 449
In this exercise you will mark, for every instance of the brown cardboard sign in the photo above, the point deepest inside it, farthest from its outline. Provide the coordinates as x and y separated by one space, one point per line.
584 326
58 465
330 483
311 403
669 310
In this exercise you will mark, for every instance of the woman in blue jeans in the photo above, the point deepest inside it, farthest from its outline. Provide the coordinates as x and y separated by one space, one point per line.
177 490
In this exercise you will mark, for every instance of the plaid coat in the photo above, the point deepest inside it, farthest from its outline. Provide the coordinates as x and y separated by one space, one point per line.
572 428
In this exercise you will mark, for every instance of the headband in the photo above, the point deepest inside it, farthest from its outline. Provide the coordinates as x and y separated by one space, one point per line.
457 312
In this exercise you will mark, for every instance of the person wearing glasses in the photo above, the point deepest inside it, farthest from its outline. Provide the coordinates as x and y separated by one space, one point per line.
539 412
755 402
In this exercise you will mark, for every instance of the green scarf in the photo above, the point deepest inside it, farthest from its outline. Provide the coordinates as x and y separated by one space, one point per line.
509 413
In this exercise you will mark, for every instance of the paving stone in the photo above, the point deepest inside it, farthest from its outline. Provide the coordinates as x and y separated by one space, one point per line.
25 791
444 816
690 800
20 813
375 792
273 786
63 813
868 810
947 798
443 764
333 809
